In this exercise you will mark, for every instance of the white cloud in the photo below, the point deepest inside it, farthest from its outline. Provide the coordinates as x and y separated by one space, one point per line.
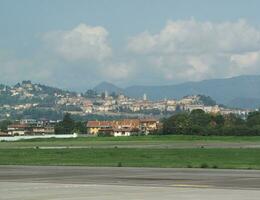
194 50
183 50
192 36
81 43
117 71
14 70
143 43
247 59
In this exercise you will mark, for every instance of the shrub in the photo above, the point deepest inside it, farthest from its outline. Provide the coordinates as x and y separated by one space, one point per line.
215 167
204 165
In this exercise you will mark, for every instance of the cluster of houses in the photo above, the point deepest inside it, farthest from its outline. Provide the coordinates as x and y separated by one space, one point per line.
101 104
31 127
125 105
125 127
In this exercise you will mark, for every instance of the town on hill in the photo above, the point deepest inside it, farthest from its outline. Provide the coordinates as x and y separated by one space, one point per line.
37 101
28 109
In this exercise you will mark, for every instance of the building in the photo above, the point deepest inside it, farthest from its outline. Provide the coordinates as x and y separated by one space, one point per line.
29 127
3 134
208 109
125 127
145 97
95 126
18 129
124 132
148 125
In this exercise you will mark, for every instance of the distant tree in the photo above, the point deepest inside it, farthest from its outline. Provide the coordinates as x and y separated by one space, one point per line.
253 119
177 124
66 126
219 120
80 127
4 124
233 120
68 123
200 118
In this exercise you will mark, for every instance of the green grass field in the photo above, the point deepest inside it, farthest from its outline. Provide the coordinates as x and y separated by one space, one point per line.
178 158
138 140
140 151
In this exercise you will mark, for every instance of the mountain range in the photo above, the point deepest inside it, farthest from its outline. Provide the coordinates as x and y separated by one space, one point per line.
238 92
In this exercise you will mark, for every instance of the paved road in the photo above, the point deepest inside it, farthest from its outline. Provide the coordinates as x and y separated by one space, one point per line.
76 183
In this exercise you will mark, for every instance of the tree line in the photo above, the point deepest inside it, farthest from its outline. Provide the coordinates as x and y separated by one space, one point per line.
197 122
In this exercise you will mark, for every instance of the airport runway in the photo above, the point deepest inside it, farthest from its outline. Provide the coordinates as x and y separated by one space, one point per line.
76 183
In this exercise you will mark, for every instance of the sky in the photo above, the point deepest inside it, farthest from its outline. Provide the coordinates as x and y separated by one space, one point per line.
76 44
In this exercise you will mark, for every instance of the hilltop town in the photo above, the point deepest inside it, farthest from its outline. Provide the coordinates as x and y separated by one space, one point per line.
28 100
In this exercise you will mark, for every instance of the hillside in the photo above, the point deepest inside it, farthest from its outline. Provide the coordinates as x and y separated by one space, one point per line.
238 91
109 87
28 92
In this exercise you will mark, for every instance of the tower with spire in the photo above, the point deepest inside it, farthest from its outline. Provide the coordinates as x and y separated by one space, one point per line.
145 97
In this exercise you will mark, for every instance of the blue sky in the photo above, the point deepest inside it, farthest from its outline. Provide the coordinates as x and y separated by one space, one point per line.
127 42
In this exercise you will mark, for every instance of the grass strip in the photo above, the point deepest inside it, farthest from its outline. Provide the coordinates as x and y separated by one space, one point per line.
117 157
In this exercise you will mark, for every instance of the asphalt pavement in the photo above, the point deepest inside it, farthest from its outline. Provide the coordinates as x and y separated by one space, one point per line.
98 183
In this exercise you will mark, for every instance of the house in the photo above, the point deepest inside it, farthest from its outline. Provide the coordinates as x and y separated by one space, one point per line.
30 129
95 126
125 132
3 134
18 129
149 125
117 131
43 130
125 127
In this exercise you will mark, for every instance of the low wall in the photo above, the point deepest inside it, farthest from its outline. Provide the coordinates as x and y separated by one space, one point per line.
16 138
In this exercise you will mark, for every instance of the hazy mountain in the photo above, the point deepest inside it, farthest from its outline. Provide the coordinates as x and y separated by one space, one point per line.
109 87
241 91
245 103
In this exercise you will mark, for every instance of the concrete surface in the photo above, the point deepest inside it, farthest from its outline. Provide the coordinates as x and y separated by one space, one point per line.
76 183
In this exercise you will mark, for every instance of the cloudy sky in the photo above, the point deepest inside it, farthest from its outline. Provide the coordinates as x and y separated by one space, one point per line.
77 44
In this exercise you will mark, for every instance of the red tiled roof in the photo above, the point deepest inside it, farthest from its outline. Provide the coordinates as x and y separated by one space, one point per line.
18 126
148 120
127 123
93 124
124 122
